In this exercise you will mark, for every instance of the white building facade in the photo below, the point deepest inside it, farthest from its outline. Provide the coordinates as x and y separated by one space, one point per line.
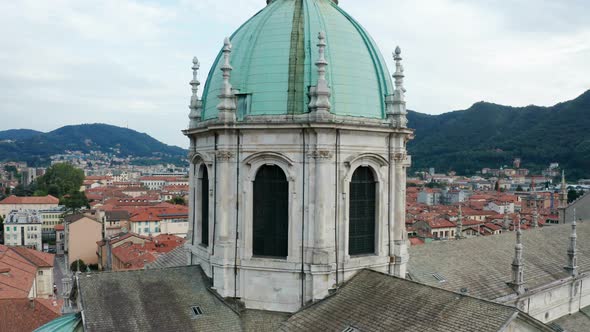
297 182
23 228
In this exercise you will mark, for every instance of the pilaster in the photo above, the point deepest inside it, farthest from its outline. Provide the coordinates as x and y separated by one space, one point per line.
400 249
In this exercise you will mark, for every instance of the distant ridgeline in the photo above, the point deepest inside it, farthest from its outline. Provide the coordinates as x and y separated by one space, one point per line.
36 147
490 135
485 135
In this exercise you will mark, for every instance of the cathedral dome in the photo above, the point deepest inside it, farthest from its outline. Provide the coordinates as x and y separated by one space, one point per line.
273 58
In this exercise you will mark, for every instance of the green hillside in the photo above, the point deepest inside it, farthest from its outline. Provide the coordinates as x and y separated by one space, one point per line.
490 135
16 134
119 141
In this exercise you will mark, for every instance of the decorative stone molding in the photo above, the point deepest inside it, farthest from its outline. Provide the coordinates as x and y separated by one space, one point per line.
268 157
399 156
367 159
320 154
197 157
224 155
260 159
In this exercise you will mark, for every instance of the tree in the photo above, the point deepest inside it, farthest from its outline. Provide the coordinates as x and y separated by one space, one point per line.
21 190
519 188
572 195
74 201
59 180
177 200
78 265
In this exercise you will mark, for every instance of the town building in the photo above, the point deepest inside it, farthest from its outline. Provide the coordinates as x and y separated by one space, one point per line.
116 222
51 218
164 218
81 235
159 182
12 203
106 246
25 273
60 236
24 228
133 255
430 196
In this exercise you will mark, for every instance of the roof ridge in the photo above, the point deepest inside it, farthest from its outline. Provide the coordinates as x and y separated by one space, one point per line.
442 289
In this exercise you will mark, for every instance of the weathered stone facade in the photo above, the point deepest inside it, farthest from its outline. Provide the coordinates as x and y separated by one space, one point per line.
318 160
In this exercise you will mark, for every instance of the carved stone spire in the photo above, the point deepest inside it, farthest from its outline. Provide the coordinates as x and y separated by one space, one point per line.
506 221
396 103
563 192
320 94
459 231
535 214
227 102
572 251
518 264
562 199
196 105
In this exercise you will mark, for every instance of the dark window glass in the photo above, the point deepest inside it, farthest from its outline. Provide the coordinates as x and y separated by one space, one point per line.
270 212
361 231
205 207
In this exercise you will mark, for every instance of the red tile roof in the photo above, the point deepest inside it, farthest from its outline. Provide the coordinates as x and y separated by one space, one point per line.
135 256
24 315
416 241
20 268
440 223
30 200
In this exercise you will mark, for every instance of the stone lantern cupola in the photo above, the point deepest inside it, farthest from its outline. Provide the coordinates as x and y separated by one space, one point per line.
298 158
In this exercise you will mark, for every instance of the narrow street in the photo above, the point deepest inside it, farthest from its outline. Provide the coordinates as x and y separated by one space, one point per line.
59 272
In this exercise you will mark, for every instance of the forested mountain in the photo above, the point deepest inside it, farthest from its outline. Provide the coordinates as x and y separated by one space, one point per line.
36 149
485 135
491 135
16 134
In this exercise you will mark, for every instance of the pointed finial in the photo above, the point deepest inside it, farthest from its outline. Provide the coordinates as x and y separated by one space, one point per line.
396 103
517 282
227 104
320 94
506 223
572 251
196 104
459 230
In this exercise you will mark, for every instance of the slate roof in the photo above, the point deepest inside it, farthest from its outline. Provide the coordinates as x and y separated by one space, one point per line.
578 322
483 264
117 215
372 301
174 258
153 300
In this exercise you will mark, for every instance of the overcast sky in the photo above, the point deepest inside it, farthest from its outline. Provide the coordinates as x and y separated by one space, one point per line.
127 62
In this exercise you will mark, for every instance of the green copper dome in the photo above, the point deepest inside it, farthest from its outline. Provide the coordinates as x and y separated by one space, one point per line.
273 59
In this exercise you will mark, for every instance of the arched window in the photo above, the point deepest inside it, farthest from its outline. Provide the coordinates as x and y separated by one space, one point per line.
270 212
361 230
204 206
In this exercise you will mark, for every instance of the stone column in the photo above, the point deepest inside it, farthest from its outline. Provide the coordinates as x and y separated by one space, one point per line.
225 202
323 260
324 205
